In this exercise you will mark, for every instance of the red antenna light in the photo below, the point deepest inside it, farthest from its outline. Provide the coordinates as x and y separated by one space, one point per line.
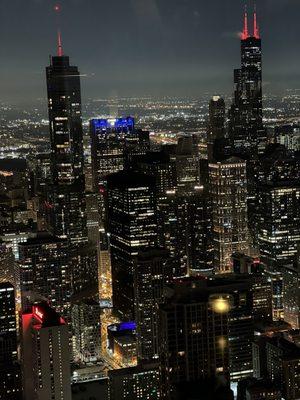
245 33
255 25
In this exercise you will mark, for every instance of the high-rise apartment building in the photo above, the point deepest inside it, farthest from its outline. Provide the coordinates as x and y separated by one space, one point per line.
45 355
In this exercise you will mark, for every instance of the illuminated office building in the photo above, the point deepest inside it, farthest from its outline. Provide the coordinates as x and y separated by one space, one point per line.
66 202
289 136
185 230
94 219
132 224
279 361
252 269
7 264
279 223
108 138
246 129
87 331
258 389
104 270
45 355
187 164
240 324
194 326
84 269
121 343
141 382
291 295
44 268
216 125
200 246
113 143
13 239
159 165
151 273
173 218
198 325
10 373
228 192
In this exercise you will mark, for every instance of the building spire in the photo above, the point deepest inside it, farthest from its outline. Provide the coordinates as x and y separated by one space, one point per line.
57 10
245 33
255 25
60 52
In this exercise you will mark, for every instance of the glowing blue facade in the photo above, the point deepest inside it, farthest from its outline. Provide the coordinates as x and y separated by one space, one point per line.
119 125
123 327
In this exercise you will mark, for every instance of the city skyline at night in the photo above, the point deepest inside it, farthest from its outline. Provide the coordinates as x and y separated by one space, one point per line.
167 49
150 215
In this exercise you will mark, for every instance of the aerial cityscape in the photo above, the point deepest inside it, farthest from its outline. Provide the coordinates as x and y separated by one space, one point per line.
150 238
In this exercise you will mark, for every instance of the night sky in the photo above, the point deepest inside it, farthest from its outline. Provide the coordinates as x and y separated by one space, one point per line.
144 47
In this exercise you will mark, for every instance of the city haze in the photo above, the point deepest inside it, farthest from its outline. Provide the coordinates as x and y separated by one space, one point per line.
144 47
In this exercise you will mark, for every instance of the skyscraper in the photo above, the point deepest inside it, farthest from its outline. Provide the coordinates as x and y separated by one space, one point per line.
87 331
10 373
114 142
228 191
151 273
108 139
187 164
66 204
131 202
194 334
279 222
216 126
135 383
44 268
45 355
280 358
245 116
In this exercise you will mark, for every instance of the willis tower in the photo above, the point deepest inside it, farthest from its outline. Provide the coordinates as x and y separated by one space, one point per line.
67 200
246 131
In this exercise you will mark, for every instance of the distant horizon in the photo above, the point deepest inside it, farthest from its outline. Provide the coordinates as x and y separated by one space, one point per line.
172 48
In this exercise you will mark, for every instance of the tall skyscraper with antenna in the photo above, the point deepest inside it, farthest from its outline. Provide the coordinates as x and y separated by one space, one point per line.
246 129
67 205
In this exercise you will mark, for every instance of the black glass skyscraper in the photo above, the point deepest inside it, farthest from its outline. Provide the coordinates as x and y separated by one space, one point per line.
67 203
245 116
132 224
215 128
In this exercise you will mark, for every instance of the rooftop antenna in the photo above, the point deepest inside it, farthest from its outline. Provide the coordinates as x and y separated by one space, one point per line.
60 52
255 25
245 33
